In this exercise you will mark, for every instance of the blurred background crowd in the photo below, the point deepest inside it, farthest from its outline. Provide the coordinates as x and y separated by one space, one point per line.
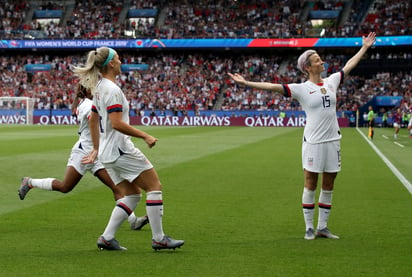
202 18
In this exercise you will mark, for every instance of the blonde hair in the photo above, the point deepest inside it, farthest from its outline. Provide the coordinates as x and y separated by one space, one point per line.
89 73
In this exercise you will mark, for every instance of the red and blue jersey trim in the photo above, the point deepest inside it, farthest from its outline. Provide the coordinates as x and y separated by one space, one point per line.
114 108
286 90
342 76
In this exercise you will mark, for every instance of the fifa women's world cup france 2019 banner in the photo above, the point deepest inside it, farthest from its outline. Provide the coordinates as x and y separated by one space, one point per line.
386 41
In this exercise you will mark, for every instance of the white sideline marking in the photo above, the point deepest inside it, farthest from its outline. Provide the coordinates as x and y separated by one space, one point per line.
398 144
395 171
385 137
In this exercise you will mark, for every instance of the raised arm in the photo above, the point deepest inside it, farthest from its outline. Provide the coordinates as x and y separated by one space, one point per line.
259 85
367 42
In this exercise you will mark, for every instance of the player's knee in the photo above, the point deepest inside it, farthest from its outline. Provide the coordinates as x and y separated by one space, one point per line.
66 189
155 186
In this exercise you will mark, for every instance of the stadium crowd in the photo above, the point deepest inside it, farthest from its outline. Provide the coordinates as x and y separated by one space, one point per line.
196 81
109 19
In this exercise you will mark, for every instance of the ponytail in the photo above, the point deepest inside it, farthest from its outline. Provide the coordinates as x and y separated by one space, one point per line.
95 63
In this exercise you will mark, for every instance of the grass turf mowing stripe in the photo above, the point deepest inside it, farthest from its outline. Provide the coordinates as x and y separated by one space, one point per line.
45 151
388 163
238 209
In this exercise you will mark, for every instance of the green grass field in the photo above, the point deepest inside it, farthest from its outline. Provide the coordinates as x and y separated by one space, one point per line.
233 194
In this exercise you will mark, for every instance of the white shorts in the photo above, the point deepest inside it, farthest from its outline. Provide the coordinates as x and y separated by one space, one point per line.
410 123
75 160
396 125
128 167
321 157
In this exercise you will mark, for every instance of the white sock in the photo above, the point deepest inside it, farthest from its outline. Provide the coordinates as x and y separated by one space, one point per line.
325 204
132 216
154 210
124 207
308 207
45 183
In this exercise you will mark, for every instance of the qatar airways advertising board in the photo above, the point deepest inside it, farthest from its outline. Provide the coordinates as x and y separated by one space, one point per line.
221 121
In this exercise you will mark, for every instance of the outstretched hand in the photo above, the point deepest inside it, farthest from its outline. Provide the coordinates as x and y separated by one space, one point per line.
237 78
369 40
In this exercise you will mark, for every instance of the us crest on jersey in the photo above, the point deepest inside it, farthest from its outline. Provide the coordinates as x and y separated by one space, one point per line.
323 90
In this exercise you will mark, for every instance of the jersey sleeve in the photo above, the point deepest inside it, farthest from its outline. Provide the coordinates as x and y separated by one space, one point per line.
83 110
286 91
337 78
94 105
291 90
114 102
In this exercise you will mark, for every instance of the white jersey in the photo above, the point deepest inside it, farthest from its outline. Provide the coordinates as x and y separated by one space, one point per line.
84 144
108 98
319 103
83 113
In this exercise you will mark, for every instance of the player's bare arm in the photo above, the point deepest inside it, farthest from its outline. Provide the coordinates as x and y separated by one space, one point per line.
121 126
94 132
239 79
367 42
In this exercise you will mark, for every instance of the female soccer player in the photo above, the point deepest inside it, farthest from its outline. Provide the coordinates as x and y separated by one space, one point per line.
127 165
75 170
321 137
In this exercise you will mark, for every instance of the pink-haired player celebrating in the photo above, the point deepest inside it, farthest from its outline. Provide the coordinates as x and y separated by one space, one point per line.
321 151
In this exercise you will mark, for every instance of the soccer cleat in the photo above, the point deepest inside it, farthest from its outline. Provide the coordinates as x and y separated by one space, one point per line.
325 233
112 244
24 187
167 243
310 234
139 222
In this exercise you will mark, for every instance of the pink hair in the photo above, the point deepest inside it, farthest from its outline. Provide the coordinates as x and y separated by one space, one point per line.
303 59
